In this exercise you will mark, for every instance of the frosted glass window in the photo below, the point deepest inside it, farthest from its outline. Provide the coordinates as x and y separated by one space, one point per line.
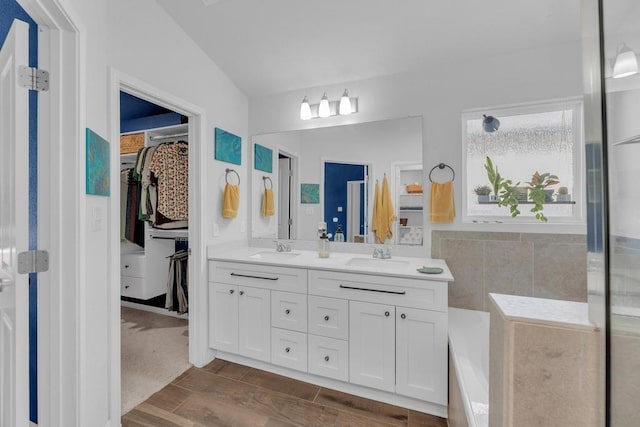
542 137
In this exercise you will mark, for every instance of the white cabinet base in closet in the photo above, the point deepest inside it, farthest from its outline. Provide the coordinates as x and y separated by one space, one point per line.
345 387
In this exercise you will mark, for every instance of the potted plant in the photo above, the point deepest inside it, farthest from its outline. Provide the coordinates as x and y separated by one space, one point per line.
482 191
563 195
538 192
494 178
506 193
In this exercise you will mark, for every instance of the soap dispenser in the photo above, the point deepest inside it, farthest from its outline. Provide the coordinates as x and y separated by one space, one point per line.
339 237
323 246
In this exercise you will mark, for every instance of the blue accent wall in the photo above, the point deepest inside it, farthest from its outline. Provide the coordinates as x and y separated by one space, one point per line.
11 9
137 114
336 176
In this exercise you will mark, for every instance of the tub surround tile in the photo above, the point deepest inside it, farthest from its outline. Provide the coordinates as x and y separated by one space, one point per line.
578 239
625 349
498 352
508 268
560 271
465 260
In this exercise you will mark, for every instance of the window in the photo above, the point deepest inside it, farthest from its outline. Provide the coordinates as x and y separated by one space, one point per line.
543 137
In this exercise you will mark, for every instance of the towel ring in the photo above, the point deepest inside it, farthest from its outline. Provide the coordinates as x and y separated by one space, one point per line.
442 166
264 181
228 171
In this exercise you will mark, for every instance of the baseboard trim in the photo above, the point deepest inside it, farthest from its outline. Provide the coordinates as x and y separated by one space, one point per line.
153 309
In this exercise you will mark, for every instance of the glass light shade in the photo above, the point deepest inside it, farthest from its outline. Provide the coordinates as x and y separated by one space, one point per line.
345 104
626 64
305 109
323 109
490 123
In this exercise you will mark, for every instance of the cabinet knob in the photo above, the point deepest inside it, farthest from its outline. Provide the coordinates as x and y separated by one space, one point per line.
326 358
287 350
287 311
230 291
126 266
404 316
241 292
326 318
126 286
386 313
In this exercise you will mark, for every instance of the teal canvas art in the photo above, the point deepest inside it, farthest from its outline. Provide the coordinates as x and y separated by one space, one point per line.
97 164
310 193
228 147
262 158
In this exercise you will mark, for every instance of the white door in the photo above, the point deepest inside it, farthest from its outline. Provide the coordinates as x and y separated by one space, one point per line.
223 317
254 324
421 354
372 346
284 198
14 205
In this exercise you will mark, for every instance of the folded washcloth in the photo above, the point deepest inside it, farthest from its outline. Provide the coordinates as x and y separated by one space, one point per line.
230 201
268 208
442 208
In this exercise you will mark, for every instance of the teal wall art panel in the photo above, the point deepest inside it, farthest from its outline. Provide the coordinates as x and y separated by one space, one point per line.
228 147
262 158
310 193
97 164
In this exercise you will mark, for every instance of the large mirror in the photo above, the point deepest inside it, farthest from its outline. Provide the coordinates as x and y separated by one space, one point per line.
328 175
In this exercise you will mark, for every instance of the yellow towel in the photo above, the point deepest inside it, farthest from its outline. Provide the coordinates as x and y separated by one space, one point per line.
387 206
230 201
442 208
378 225
268 208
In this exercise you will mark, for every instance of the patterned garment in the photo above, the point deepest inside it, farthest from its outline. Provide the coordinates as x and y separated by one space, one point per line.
170 165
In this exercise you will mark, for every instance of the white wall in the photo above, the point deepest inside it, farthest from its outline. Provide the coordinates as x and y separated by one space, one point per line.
139 39
440 95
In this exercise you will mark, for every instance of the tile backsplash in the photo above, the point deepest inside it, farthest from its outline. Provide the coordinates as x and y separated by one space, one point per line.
537 265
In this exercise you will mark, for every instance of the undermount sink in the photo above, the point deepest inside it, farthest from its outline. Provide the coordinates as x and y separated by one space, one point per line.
390 264
274 255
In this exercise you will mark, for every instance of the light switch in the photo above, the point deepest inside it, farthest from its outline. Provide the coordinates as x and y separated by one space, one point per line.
339 208
216 229
309 210
96 219
335 219
243 226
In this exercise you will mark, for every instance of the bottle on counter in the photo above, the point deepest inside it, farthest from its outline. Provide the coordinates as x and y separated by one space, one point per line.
323 246
339 237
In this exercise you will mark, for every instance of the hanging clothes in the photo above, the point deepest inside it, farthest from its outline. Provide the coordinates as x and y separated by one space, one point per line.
170 166
133 227
178 282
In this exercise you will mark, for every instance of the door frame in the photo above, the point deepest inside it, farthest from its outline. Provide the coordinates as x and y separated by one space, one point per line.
60 150
293 193
199 353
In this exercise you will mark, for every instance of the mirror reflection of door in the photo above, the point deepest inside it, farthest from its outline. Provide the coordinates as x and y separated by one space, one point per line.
345 199
285 196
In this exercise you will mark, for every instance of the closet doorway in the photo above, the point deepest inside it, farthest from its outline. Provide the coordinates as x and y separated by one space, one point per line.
154 247
287 183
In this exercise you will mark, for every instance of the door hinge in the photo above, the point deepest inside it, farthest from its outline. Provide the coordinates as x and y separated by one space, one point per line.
290 221
33 78
33 262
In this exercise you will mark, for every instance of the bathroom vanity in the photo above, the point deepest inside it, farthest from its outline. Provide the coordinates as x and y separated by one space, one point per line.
371 327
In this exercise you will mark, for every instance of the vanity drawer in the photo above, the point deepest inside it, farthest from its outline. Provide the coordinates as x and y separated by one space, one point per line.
329 317
132 265
289 349
329 357
289 311
259 276
413 293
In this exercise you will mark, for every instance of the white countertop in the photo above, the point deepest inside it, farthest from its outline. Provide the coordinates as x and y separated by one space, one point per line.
545 311
397 266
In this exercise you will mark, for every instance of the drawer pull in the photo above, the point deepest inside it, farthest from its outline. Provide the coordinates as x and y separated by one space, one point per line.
326 358
287 311
373 290
404 316
326 318
254 277
126 286
126 266
231 291
386 313
241 292
287 350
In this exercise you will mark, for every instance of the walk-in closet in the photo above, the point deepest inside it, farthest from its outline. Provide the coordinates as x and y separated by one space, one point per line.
154 250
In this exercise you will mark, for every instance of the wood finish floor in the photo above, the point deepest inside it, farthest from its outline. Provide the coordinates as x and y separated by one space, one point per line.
227 394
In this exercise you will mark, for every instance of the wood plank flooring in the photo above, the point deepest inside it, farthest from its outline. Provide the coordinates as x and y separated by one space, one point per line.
227 394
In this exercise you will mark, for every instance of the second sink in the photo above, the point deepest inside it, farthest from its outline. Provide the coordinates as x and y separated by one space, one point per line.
274 255
390 264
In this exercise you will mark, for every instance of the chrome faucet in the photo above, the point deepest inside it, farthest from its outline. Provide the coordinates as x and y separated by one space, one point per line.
282 246
382 252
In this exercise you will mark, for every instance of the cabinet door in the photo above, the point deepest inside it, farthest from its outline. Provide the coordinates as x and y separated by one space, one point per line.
254 323
223 317
421 354
372 347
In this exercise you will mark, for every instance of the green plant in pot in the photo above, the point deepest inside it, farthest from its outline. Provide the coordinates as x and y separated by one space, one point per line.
494 177
482 191
538 194
505 191
563 195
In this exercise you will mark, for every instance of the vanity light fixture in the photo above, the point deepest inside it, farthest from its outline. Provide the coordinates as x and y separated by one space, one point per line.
346 105
305 109
626 63
323 109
